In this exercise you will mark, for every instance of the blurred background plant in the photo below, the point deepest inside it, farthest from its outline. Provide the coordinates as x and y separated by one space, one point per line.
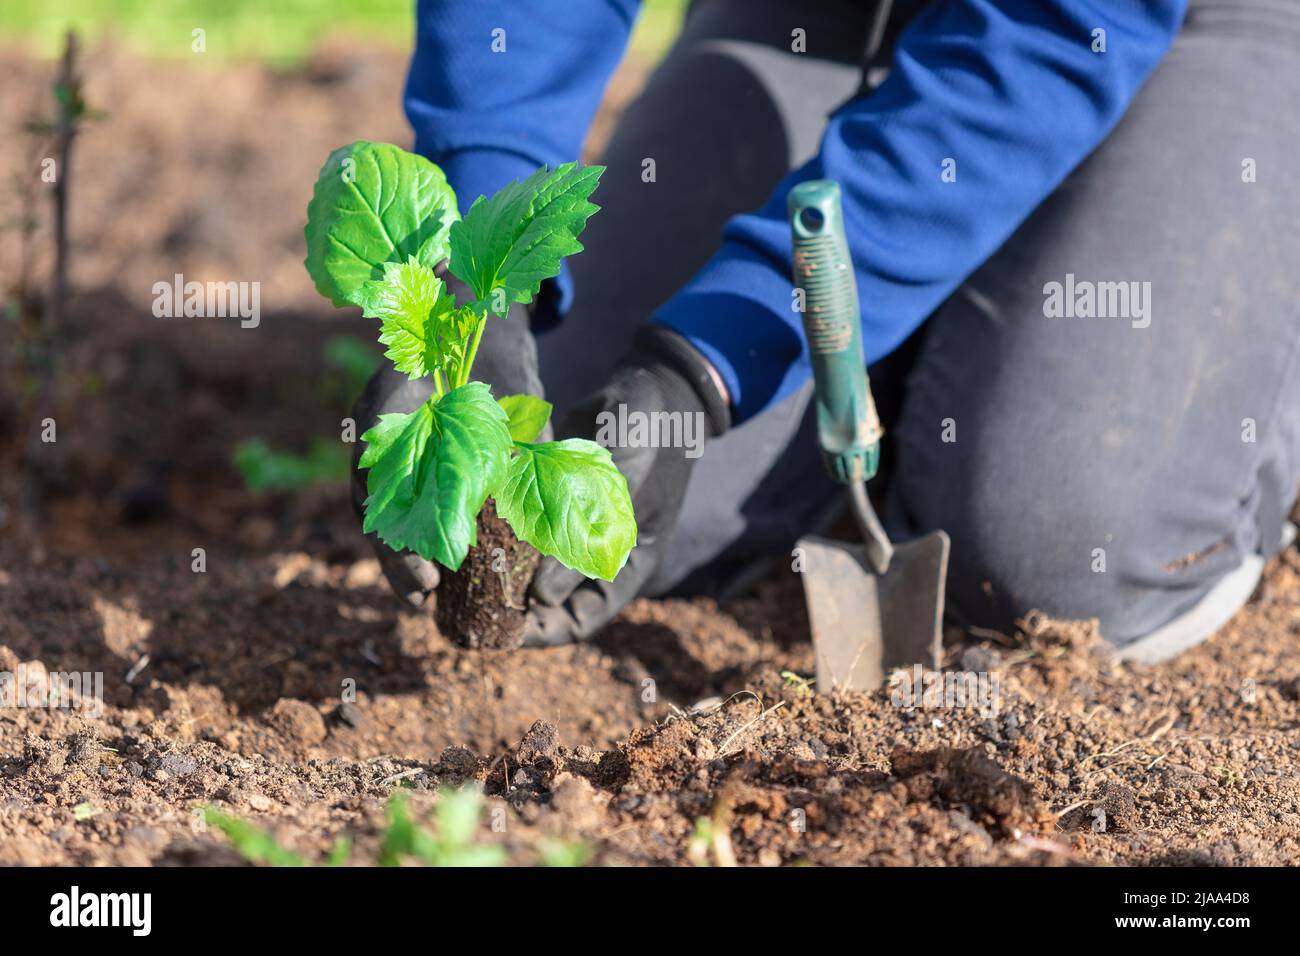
450 837
263 468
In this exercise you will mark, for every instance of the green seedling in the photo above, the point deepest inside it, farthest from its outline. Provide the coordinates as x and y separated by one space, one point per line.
264 468
380 222
86 811
254 844
800 684
258 846
353 359
554 852
451 842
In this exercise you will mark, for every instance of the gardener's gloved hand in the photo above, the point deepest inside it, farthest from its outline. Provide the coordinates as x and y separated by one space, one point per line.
663 374
506 360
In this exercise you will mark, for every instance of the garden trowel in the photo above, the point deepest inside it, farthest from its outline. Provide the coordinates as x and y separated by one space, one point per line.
875 606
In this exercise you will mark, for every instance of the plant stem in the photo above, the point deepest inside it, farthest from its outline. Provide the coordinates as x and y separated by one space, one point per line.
463 376
66 130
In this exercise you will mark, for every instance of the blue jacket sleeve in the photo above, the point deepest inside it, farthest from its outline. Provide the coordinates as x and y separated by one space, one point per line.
498 88
1012 90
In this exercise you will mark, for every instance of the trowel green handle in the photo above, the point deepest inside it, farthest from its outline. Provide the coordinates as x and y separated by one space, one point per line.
848 428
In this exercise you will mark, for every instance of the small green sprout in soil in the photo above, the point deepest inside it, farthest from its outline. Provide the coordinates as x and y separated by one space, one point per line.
452 841
86 811
380 222
563 853
800 684
451 838
266 469
258 846
254 844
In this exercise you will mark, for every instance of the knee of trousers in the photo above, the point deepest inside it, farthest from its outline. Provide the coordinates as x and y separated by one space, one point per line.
1038 533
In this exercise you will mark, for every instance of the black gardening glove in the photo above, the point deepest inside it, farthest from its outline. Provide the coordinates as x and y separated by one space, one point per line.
506 360
664 373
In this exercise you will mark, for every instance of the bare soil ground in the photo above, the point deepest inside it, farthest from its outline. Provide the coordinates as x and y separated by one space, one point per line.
224 687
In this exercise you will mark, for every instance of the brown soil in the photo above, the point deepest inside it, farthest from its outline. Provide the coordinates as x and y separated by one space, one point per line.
284 683
483 603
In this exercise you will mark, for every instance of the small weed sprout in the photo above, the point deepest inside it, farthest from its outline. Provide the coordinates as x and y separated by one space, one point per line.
451 842
450 839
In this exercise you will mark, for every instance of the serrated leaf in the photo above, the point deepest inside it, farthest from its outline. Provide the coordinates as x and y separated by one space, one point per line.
415 311
568 499
528 415
517 238
431 471
374 203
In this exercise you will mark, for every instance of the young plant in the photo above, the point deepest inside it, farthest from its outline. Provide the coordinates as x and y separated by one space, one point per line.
263 468
258 846
380 222
453 840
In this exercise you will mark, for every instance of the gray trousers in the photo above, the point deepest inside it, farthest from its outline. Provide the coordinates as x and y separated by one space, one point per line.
1086 468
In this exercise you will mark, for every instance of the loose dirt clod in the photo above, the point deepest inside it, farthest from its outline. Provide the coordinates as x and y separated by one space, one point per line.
298 720
968 780
541 742
458 763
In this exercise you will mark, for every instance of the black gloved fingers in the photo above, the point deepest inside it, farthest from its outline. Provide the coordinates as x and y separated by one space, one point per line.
589 608
591 605
553 582
550 627
411 577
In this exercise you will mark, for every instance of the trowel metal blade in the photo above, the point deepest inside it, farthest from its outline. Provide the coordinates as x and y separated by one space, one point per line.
864 624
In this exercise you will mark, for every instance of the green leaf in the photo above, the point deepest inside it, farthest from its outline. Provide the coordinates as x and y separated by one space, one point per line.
415 309
568 499
256 846
528 415
482 856
562 853
431 471
457 814
517 238
375 203
404 837
341 853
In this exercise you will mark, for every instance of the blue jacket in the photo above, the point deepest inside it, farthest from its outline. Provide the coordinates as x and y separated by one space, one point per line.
1011 90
